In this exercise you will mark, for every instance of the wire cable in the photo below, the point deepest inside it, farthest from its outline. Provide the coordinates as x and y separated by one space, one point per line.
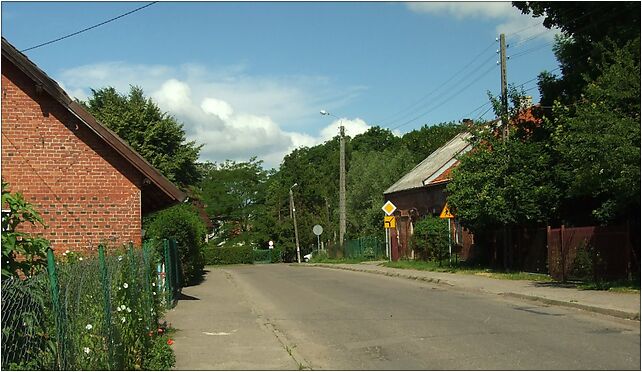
396 115
88 28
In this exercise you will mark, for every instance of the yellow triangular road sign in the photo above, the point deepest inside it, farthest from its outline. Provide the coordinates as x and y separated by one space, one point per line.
445 213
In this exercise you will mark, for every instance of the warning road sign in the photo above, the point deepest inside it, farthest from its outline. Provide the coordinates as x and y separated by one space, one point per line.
445 213
389 222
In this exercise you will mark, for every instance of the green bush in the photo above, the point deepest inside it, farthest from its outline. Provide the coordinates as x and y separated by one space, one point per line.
160 356
183 223
430 238
229 255
277 255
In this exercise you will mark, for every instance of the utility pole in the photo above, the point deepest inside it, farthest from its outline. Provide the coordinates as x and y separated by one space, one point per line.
296 230
342 186
502 54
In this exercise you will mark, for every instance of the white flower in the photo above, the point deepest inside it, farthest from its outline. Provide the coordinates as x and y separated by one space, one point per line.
122 319
125 285
129 310
154 293
64 254
153 284
79 258
139 319
120 258
67 251
88 327
86 350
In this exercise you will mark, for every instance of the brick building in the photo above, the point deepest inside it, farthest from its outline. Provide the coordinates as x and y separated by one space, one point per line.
89 186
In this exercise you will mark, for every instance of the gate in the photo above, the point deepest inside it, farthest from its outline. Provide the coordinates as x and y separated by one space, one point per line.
369 247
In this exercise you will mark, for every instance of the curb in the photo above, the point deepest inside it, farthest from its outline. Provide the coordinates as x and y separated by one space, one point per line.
544 300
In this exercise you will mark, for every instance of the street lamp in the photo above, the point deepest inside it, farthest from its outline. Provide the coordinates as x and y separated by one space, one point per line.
296 231
342 178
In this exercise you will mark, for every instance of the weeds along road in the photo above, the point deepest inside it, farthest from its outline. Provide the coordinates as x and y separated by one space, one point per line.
333 319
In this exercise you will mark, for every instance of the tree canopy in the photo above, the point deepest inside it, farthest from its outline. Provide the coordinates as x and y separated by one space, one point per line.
155 135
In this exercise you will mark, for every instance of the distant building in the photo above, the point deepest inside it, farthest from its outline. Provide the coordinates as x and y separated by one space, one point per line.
87 183
421 192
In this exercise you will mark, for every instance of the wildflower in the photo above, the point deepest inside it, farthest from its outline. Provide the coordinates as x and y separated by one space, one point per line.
122 319
129 310
86 350
64 253
153 284
89 327
120 258
125 285
160 330
170 342
154 293
79 258
67 251
139 319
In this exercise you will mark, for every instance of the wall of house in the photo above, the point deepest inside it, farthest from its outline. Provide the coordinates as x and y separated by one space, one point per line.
86 192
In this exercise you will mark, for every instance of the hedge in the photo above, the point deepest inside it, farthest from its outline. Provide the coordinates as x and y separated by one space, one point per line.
228 256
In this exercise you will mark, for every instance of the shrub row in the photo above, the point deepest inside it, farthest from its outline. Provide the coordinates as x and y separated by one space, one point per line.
235 255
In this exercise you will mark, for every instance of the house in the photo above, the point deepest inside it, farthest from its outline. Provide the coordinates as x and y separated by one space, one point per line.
89 186
421 192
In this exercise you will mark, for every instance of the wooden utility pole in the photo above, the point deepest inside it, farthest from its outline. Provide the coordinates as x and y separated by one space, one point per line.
342 186
502 54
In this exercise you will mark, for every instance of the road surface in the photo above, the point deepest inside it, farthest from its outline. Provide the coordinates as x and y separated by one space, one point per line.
289 317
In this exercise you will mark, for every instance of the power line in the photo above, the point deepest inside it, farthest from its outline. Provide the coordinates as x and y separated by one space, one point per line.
447 99
88 28
396 115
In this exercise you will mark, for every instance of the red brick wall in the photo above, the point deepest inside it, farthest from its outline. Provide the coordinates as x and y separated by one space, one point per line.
86 192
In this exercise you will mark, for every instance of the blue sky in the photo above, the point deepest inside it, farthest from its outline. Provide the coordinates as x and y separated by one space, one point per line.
250 78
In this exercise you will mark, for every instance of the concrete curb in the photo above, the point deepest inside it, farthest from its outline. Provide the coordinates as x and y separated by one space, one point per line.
544 300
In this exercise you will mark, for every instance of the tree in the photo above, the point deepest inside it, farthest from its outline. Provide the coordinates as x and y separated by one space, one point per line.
234 194
584 26
507 182
425 140
155 135
598 139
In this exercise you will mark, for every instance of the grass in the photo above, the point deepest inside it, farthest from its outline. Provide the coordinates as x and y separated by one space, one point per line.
623 286
327 260
457 268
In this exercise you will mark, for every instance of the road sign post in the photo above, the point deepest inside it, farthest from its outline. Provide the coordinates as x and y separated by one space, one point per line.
445 213
389 209
318 230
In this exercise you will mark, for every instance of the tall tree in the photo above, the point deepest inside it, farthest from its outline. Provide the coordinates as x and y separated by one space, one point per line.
154 134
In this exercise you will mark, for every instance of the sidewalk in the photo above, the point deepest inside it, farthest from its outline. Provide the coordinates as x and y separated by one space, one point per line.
621 305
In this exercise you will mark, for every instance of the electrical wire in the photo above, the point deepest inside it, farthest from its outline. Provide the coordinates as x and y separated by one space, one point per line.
88 28
426 96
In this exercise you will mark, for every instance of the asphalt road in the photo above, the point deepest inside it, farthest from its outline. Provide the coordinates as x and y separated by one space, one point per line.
333 319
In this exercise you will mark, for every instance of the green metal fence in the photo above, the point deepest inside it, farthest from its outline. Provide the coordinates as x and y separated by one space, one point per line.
88 314
367 247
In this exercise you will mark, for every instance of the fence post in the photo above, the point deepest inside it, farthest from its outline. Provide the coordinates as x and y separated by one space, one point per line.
168 274
149 297
176 270
563 257
55 299
106 302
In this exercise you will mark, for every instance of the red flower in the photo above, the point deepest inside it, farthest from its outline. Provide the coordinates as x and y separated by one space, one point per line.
160 330
170 342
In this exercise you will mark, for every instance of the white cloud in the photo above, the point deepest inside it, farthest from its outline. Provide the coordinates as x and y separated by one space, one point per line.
511 20
233 114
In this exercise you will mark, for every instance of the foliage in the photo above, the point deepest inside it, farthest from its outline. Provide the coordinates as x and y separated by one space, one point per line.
584 26
183 223
228 256
87 333
461 268
21 252
155 135
234 194
160 356
372 170
505 182
425 140
598 139
276 254
430 238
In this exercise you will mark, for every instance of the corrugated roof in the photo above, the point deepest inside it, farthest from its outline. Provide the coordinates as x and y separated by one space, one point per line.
436 164
167 193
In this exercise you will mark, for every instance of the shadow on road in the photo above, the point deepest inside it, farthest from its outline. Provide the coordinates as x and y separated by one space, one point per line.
183 296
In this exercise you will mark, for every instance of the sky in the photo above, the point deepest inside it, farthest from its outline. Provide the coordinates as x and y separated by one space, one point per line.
250 78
